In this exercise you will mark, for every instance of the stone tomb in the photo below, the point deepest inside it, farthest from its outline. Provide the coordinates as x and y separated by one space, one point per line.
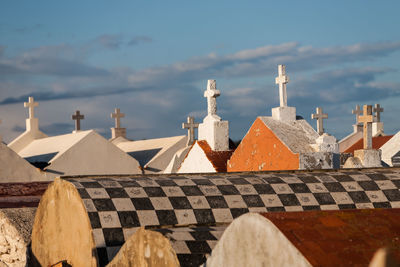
88 219
312 238
284 142
78 153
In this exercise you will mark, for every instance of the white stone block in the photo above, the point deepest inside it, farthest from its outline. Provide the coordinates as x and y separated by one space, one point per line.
370 158
216 133
118 132
377 128
32 124
326 143
285 114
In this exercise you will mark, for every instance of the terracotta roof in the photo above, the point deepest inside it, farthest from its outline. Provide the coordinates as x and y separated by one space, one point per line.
377 142
340 238
218 159
17 195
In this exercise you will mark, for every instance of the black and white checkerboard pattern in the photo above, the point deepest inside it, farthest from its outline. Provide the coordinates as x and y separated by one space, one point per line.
118 206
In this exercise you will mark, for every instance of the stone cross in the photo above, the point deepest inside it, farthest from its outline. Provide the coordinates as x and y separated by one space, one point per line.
117 116
0 135
378 110
190 125
357 112
212 93
319 116
282 80
31 104
367 119
77 117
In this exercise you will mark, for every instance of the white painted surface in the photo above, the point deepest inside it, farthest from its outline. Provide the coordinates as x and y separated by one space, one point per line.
252 240
15 169
168 145
326 143
93 154
196 161
216 133
377 129
176 161
390 148
285 114
282 80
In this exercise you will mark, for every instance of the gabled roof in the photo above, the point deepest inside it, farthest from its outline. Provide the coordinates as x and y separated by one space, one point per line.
218 159
49 149
377 142
297 135
153 151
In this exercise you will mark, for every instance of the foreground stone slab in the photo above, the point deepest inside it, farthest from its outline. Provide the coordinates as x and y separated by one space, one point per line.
97 215
311 238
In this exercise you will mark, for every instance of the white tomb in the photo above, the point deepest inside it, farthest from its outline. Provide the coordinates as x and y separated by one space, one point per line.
32 131
79 153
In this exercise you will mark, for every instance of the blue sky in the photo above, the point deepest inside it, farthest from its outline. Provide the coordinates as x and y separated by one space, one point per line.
152 59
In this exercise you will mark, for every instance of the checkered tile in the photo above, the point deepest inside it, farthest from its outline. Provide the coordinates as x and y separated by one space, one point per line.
118 206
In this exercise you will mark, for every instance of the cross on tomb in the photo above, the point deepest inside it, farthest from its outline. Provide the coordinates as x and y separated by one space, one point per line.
77 117
319 116
282 80
190 125
212 93
378 110
357 112
367 119
31 104
117 116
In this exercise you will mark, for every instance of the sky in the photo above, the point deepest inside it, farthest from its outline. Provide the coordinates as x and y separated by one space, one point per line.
152 59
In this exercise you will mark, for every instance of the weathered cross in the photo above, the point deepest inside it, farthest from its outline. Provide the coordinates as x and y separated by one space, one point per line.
117 116
319 116
212 93
0 135
77 117
378 110
367 119
31 104
190 125
357 112
282 80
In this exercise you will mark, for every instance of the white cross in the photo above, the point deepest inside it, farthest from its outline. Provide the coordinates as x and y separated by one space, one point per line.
357 112
190 125
77 117
117 116
212 93
319 116
367 119
31 104
282 80
378 110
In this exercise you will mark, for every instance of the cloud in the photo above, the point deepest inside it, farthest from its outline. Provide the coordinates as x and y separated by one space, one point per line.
140 39
110 41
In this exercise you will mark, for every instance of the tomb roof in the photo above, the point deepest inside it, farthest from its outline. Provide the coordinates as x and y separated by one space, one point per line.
218 159
377 142
340 238
297 135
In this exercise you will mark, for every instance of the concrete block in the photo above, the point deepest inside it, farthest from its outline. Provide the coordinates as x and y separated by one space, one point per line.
216 133
118 132
319 160
285 114
326 143
369 158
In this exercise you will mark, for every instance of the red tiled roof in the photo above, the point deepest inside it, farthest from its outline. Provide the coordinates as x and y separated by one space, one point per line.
377 142
340 238
218 159
18 195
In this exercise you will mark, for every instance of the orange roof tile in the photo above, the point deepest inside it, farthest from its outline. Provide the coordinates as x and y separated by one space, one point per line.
218 159
377 142
340 238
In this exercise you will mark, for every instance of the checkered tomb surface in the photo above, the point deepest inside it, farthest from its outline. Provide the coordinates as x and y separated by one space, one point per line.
117 206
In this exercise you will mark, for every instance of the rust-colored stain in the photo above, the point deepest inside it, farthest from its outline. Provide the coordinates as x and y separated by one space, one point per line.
377 142
261 150
340 238
15 195
217 158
